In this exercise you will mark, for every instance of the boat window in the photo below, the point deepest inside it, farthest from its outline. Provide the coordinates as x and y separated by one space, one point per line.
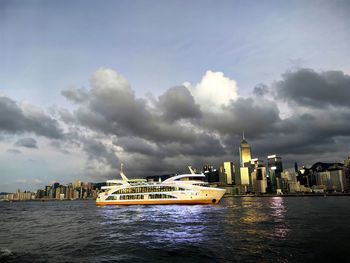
112 197
202 184
131 197
160 196
189 178
148 189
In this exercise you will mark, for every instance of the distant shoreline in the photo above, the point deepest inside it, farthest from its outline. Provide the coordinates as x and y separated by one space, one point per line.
287 195
48 200
225 196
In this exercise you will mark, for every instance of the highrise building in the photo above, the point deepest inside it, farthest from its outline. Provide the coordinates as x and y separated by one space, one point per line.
229 172
257 172
244 176
245 157
275 169
244 152
211 174
275 161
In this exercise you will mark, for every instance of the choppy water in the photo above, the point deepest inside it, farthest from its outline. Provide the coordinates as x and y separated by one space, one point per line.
276 229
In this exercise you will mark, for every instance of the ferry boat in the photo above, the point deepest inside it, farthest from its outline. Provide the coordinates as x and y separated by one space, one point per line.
179 189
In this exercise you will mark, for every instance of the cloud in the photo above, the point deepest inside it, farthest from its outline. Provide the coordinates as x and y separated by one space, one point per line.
254 115
189 125
309 88
137 145
75 95
14 151
178 103
139 132
113 109
112 104
98 151
214 91
185 125
261 90
22 118
27 143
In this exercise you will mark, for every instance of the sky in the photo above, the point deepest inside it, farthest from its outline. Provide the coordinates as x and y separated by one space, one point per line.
160 85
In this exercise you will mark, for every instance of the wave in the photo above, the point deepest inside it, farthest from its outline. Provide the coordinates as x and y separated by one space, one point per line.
5 254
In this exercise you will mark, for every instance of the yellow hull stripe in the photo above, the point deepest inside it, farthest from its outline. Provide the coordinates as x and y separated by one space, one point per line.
156 202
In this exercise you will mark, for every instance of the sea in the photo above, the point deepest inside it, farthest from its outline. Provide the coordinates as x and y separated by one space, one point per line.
244 229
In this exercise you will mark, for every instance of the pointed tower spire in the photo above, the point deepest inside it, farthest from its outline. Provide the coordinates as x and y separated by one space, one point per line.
243 134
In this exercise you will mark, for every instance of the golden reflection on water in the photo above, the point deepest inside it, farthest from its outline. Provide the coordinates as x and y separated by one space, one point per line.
261 216
259 220
278 213
254 212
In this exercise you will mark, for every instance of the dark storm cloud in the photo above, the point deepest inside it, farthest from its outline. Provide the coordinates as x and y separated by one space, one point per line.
320 123
203 145
253 115
172 130
306 137
178 103
261 90
312 89
119 107
137 145
14 119
27 143
96 150
113 109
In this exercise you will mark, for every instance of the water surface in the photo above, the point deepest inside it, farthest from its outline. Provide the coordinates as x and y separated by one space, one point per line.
248 229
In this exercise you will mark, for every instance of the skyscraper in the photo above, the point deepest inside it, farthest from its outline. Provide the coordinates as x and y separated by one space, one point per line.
244 152
275 169
245 157
229 172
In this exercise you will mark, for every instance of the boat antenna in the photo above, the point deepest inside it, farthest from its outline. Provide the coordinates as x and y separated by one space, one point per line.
191 170
122 173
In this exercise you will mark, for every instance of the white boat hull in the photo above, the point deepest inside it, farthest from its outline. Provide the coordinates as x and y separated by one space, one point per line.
197 196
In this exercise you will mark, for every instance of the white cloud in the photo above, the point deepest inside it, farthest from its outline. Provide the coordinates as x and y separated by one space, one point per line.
105 78
214 91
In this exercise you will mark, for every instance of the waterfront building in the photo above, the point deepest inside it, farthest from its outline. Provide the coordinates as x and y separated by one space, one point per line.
245 157
244 176
76 194
330 175
289 181
77 184
211 174
10 197
48 191
275 169
333 180
57 193
40 194
21 196
228 173
244 152
69 191
258 179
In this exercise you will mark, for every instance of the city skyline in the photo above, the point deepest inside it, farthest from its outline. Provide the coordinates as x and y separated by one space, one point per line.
86 85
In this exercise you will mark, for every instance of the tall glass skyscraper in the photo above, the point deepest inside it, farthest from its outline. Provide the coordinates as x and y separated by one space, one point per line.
244 152
275 169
